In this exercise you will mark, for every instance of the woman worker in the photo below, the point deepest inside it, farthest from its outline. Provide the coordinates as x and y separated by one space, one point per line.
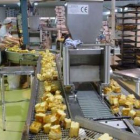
6 39
2 46
5 35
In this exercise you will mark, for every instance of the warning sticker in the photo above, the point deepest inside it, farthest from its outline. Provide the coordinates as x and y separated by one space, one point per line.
78 9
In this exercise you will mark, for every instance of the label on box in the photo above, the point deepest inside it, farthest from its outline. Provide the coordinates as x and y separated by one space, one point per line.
78 9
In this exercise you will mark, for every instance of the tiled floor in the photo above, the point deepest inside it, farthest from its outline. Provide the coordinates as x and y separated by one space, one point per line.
16 113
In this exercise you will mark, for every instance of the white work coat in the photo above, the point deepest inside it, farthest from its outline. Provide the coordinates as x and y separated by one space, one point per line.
4 33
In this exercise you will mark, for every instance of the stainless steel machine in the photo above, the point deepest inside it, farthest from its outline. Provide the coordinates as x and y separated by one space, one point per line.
89 62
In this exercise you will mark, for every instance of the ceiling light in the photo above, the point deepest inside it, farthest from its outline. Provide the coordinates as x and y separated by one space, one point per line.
18 3
35 3
65 4
106 13
126 9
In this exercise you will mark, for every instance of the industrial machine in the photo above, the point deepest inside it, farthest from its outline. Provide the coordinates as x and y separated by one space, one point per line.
86 69
88 62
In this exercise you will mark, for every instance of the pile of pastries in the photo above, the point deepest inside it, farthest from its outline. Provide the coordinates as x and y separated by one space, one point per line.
48 64
50 112
105 136
113 87
16 48
129 104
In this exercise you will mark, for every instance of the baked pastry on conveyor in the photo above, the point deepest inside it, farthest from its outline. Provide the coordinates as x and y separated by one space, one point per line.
137 121
60 115
132 113
47 128
117 89
125 111
39 117
107 90
67 123
115 102
113 87
137 104
105 137
57 92
131 96
35 127
122 102
55 132
74 129
129 104
137 113
115 109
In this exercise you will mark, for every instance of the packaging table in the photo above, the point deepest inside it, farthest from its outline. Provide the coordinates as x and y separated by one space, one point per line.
20 70
133 74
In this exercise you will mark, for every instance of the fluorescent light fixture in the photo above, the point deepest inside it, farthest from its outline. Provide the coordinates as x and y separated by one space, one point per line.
65 4
44 18
126 9
106 13
18 3
35 3
120 9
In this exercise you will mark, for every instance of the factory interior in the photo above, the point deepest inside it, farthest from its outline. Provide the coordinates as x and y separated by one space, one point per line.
69 69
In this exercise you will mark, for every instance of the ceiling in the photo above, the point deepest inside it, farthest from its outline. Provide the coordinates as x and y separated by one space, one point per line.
14 1
52 3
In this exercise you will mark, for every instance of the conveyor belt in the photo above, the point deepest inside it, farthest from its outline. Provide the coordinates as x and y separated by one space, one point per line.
83 134
92 106
125 92
37 91
134 129
87 134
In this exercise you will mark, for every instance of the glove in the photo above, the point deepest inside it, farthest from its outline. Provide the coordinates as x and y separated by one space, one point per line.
69 42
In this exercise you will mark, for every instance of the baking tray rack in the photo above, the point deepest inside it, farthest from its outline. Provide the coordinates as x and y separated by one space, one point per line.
128 41
126 57
127 35
129 51
130 6
127 18
126 12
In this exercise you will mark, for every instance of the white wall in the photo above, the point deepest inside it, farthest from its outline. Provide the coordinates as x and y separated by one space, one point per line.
46 12
2 14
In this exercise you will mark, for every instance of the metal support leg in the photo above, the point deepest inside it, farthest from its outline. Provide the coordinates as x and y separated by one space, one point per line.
137 87
31 78
3 102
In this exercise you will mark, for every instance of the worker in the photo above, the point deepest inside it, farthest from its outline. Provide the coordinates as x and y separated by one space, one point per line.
47 44
5 36
2 46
